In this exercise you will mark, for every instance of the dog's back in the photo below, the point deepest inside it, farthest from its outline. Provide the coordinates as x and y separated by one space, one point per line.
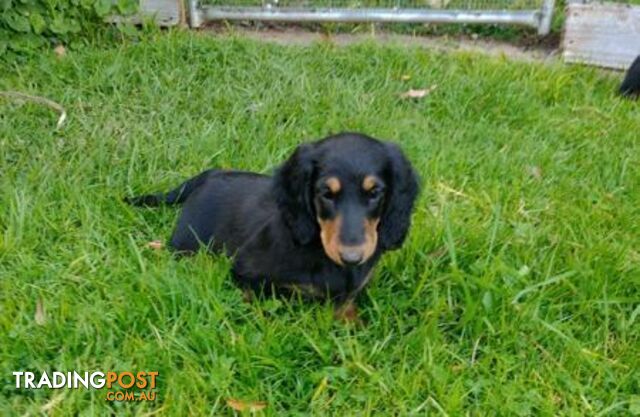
220 209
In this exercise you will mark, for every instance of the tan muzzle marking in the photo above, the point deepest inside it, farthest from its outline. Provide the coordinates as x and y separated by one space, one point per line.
330 237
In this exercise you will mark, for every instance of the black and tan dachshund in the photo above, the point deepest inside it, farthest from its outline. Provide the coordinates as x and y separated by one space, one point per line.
318 226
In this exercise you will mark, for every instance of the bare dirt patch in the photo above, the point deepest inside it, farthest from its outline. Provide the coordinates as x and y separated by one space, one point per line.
301 36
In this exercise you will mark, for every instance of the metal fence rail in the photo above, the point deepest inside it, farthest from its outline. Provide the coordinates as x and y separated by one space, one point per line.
533 13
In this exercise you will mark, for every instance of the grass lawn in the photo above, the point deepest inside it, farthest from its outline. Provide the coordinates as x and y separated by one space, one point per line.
517 292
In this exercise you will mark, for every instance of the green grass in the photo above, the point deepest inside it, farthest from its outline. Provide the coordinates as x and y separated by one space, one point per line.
517 292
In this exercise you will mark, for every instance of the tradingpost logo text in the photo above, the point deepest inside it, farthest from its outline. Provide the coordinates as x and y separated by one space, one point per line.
121 386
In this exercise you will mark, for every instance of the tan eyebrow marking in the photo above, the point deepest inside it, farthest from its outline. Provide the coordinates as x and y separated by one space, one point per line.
369 182
334 184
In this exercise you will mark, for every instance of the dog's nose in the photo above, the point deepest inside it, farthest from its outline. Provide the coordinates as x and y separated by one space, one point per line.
351 256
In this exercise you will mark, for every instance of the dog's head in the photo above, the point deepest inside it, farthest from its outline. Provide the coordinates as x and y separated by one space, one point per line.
353 192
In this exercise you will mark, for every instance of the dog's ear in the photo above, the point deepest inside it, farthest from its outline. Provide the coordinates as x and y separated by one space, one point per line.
396 218
293 189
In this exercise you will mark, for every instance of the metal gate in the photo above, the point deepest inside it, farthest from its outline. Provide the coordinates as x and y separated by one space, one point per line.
533 13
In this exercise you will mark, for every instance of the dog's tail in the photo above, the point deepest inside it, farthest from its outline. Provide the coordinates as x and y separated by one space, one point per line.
173 197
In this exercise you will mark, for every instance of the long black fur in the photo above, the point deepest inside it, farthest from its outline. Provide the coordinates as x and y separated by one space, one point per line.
269 224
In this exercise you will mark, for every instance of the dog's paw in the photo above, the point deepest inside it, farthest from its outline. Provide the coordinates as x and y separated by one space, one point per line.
347 313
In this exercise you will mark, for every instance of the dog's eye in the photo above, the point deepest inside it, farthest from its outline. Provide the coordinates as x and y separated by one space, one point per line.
375 193
327 194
